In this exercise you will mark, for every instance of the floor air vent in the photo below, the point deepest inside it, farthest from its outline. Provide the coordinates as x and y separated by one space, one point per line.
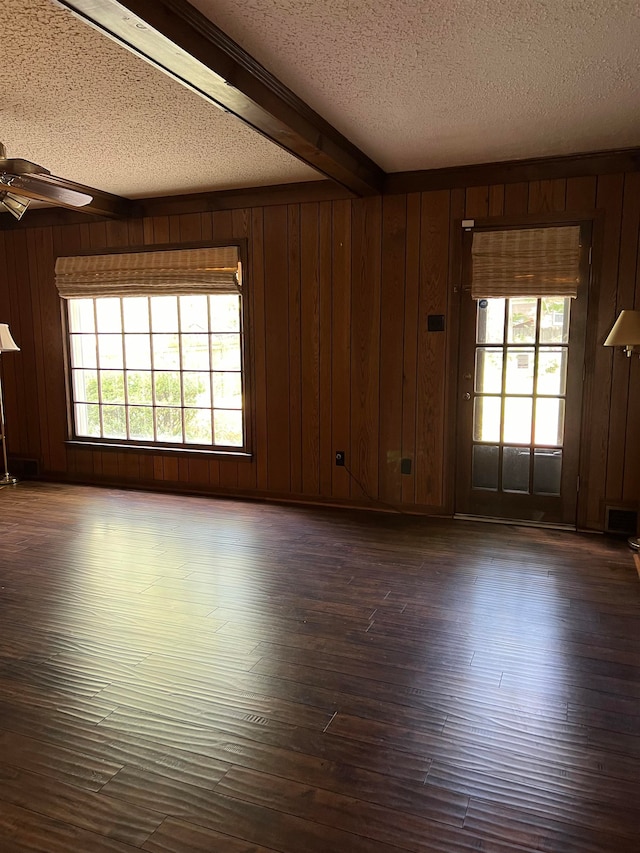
620 520
24 469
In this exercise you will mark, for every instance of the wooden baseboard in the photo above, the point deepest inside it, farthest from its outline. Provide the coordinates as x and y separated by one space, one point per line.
234 493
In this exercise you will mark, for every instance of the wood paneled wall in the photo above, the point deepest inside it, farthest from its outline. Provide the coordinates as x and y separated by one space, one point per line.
339 293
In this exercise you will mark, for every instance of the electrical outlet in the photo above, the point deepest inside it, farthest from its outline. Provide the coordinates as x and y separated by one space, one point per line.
405 466
340 458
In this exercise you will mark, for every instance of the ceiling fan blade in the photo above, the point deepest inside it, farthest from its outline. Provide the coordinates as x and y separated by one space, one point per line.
18 166
43 188
28 180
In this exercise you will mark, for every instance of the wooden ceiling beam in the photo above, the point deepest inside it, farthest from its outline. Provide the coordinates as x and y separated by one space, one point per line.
176 38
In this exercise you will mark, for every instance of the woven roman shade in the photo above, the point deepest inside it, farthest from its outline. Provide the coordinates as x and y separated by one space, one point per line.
208 270
526 262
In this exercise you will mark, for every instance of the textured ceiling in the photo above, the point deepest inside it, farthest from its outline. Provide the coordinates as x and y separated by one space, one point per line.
90 111
416 84
420 84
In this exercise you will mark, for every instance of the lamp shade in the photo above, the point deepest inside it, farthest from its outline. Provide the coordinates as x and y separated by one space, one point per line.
7 344
626 330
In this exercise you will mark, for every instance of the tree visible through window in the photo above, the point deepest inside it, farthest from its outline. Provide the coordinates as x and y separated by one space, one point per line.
158 369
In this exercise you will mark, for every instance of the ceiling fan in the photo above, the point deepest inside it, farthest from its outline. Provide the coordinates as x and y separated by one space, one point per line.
22 181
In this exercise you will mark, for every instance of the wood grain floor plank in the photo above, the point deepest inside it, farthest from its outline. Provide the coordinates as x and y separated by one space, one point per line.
207 707
84 809
581 801
281 831
177 836
22 829
381 825
155 791
58 762
544 832
180 675
349 813
220 742
124 749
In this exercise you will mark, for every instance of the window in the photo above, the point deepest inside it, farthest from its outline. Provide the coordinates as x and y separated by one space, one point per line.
163 369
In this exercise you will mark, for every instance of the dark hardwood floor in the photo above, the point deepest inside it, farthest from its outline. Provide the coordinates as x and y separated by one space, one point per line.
191 675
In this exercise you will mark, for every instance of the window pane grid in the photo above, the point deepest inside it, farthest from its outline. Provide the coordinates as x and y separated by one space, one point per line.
124 374
211 375
95 326
181 352
153 367
189 387
519 393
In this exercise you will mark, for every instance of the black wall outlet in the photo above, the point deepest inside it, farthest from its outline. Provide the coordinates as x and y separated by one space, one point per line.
405 466
340 458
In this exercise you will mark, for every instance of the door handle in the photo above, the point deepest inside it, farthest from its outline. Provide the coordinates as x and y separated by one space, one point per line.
467 396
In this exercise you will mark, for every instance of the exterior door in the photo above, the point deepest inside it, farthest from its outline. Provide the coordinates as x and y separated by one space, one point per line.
519 406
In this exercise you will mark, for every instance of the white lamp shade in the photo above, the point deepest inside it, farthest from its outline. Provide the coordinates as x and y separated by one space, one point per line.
626 330
7 344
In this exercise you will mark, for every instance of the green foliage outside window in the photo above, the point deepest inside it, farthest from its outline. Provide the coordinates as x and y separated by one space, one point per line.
168 415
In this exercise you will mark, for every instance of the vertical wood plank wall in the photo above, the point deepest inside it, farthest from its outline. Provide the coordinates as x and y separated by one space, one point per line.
339 294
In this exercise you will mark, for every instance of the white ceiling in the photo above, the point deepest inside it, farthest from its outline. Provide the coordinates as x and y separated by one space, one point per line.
416 84
421 84
86 109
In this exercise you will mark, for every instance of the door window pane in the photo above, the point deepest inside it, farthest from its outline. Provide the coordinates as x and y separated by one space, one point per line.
521 320
552 371
554 320
515 469
488 370
549 420
486 419
547 471
520 367
517 420
484 471
490 321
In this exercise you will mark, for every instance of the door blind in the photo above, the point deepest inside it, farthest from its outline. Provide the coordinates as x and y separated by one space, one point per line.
526 262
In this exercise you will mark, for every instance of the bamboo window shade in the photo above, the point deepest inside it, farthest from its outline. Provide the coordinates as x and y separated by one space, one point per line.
215 269
526 262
